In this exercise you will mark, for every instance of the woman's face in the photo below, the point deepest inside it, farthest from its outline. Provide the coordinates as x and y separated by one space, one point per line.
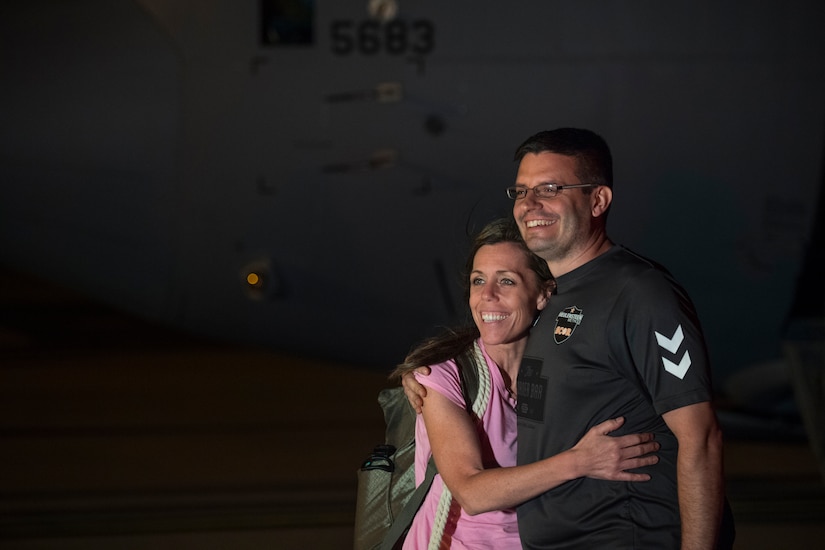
505 293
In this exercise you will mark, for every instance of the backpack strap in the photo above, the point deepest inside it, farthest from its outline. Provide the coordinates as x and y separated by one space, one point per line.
476 388
476 384
401 524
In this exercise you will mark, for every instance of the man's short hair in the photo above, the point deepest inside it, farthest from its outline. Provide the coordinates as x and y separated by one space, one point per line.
593 159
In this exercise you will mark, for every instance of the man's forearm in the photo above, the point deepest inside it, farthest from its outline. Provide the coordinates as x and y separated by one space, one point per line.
701 495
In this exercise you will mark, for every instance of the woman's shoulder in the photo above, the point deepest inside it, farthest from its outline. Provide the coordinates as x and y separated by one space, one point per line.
444 371
443 378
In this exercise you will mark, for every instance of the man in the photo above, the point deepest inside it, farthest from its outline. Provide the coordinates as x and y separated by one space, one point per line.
619 338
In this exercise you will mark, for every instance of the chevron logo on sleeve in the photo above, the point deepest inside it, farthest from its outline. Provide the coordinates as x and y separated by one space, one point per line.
673 345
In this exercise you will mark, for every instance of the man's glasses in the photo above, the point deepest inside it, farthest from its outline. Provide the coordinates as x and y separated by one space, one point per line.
543 191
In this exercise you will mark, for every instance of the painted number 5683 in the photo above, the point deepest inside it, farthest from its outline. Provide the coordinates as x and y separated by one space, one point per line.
370 37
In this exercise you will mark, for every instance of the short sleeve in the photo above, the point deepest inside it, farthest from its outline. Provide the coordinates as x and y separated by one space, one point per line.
666 341
444 379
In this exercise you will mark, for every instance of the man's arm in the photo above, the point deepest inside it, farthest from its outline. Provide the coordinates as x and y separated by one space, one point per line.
699 473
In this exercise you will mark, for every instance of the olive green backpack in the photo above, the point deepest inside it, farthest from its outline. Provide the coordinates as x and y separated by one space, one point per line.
387 497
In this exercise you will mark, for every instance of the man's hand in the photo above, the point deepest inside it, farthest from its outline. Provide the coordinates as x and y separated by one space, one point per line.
414 391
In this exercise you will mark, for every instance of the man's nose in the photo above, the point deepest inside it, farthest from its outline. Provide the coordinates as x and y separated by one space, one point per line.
530 199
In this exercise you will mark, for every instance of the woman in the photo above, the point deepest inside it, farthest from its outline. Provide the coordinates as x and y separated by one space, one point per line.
476 460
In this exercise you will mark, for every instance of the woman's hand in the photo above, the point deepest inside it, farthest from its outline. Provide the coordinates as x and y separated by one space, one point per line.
602 456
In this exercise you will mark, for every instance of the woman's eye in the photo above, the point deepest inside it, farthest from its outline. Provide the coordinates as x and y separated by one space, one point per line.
509 282
477 281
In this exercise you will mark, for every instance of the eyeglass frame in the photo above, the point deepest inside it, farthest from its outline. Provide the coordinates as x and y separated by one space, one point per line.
516 188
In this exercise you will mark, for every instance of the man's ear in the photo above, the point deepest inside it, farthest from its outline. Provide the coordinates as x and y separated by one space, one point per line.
600 200
543 299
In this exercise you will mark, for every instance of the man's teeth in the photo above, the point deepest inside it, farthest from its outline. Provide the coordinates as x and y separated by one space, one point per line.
536 223
492 317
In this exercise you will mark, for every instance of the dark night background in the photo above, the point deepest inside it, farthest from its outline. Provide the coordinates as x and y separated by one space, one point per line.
153 154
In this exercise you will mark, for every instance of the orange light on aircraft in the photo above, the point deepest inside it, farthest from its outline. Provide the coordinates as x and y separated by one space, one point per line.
254 280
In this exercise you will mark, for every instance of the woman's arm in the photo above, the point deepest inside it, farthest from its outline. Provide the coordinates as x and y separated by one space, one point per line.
457 455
